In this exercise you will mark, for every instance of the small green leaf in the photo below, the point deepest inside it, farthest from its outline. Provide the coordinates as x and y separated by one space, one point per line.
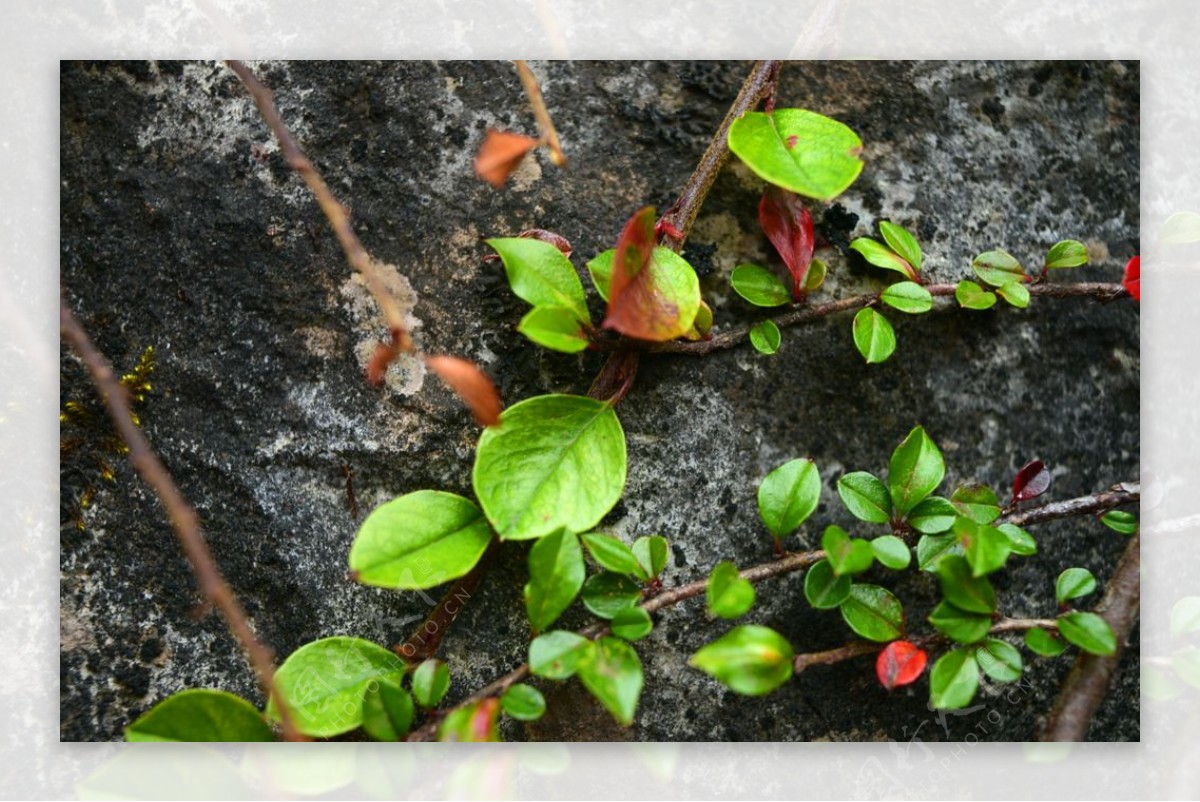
932 548
799 150
847 555
883 257
556 655
607 593
977 502
200 714
908 296
823 588
632 623
1016 294
1068 253
815 276
613 674
1019 541
986 547
554 462
1044 643
865 497
1074 583
1120 521
554 327
759 286
1185 616
1179 228
960 625
932 516
765 337
541 275
953 680
651 554
750 659
430 682
611 553
902 242
387 710
891 551
600 269
915 470
1089 632
523 702
874 613
971 296
556 573
873 336
998 268
999 660
728 594
788 495
962 589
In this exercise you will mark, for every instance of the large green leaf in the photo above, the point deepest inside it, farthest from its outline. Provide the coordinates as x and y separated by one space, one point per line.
873 336
556 574
932 516
523 702
419 540
986 547
608 593
1089 632
556 655
430 681
799 150
971 296
953 680
823 588
750 659
932 548
788 495
847 555
902 242
962 589
554 327
915 470
541 275
998 268
977 502
387 710
1073 583
632 623
960 625
908 296
999 660
874 613
611 553
728 594
866 497
765 337
759 286
892 552
554 462
201 714
1067 253
613 673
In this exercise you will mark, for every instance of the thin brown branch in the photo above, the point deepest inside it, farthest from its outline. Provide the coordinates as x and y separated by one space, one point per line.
1119 495
1092 675
183 517
545 125
424 642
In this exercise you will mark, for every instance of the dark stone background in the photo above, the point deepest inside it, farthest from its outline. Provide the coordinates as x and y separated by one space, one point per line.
178 232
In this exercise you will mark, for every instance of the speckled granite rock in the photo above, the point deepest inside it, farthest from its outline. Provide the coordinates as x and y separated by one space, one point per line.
182 229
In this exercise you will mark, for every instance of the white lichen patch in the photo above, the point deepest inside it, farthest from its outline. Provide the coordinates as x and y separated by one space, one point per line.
323 342
406 375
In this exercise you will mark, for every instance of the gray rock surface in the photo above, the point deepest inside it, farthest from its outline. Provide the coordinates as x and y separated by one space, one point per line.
183 229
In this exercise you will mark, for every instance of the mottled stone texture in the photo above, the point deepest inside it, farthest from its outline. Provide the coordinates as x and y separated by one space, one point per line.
183 229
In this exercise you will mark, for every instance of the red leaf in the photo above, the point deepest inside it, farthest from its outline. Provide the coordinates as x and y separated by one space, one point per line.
789 226
1031 481
483 721
636 308
500 154
1133 278
472 385
900 663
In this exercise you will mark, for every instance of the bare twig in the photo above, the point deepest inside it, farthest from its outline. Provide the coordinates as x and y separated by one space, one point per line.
545 125
1119 495
183 517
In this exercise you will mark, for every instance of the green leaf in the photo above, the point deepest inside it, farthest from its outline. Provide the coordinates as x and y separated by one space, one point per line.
847 555
788 495
430 682
632 623
915 470
600 269
865 497
962 589
419 540
1179 228
960 625
1044 643
200 714
986 547
891 551
883 257
751 660
541 275
998 268
554 462
387 710
902 242
1074 583
873 336
651 554
932 548
999 660
823 588
953 680
556 655
1068 253
799 150
323 683
759 286
971 296
611 553
1019 541
728 594
815 277
765 337
554 327
1120 521
932 516
613 674
1089 632
523 702
1016 294
1185 616
874 613
908 296
977 502
607 593
556 573
657 300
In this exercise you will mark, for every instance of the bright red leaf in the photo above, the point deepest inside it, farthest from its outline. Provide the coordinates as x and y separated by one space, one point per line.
1031 481
1133 278
900 663
789 226
500 154
636 305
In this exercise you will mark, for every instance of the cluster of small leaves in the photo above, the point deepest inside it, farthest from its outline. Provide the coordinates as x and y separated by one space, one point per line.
1003 273
899 252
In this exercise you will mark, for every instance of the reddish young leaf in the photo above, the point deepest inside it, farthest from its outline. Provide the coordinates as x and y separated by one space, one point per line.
472 385
483 721
1031 481
636 306
500 154
789 226
900 663
1133 278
